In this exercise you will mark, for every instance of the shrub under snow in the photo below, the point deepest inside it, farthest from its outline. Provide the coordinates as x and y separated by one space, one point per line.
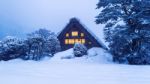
79 50
11 48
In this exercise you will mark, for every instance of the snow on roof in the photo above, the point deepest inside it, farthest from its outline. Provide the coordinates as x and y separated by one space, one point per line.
86 28
100 42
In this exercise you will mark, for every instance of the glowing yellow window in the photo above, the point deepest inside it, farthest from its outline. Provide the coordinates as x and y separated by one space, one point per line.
83 41
82 34
79 41
71 41
67 35
74 33
66 41
76 40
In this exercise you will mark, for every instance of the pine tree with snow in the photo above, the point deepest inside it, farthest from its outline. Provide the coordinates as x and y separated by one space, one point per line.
127 29
79 50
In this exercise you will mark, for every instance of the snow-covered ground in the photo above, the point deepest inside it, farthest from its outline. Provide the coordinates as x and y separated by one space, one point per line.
95 56
95 69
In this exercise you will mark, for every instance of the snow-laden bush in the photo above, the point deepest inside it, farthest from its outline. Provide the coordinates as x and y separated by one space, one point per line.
41 43
11 48
79 50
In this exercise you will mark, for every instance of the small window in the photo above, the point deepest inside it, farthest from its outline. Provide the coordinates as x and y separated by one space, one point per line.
67 35
71 41
79 41
83 41
76 40
82 34
74 33
66 41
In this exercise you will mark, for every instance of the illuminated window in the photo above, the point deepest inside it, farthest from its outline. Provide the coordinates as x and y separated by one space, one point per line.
74 33
79 40
82 34
66 41
76 40
67 35
83 41
71 41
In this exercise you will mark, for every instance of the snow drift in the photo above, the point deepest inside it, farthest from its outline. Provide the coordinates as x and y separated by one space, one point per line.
95 55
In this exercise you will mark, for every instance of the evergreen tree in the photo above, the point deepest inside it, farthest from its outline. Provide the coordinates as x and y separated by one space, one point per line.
127 29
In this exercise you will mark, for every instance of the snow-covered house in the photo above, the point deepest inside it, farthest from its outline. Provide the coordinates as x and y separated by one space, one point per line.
75 32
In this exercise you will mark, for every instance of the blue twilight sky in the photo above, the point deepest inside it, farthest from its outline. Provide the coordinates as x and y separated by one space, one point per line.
18 17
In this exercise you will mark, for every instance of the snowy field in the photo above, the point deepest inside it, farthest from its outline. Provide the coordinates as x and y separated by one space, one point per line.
95 69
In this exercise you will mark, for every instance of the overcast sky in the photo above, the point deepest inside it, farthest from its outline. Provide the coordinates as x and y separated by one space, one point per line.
17 16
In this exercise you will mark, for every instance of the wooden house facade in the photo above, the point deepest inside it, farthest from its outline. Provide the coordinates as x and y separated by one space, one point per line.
75 32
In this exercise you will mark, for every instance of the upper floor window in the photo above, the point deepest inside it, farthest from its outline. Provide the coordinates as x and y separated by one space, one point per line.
75 33
67 34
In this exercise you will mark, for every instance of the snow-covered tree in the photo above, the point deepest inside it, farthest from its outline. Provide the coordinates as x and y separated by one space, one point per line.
127 29
1 50
43 33
35 45
79 50
52 45
41 43
11 48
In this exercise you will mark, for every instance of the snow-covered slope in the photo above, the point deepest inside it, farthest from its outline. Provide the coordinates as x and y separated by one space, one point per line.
96 69
95 55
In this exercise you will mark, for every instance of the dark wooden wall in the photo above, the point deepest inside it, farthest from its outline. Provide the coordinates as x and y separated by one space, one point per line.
76 26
